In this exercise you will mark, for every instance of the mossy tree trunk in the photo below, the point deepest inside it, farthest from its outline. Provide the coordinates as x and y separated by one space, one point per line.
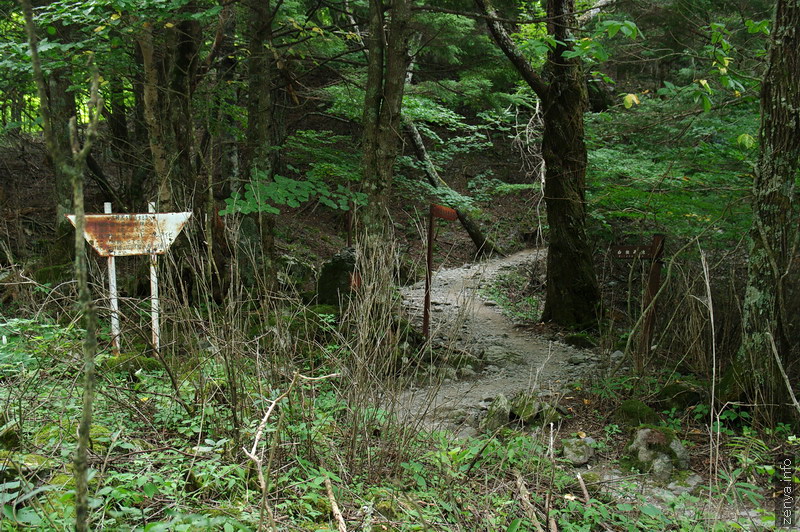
573 294
776 225
388 60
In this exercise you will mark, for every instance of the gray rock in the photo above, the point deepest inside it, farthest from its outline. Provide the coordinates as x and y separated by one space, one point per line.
578 358
681 456
499 355
498 414
467 372
687 485
577 451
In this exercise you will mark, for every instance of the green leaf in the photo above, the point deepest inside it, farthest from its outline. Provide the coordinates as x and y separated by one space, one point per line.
150 489
629 100
514 526
746 141
651 511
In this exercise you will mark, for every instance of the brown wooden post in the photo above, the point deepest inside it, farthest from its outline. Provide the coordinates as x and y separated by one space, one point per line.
652 253
445 213
653 284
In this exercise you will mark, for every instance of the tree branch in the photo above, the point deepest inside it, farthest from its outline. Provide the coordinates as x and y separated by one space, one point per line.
520 62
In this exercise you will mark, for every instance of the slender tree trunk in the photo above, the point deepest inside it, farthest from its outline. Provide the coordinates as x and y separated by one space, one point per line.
72 164
776 228
573 294
260 156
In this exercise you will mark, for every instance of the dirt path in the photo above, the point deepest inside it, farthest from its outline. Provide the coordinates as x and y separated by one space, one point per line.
513 359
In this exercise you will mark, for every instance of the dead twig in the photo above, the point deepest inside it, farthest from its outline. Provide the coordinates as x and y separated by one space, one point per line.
258 461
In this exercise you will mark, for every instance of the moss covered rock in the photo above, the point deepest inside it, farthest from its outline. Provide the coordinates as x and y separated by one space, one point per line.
658 452
680 395
14 464
335 279
635 412
9 433
497 416
54 434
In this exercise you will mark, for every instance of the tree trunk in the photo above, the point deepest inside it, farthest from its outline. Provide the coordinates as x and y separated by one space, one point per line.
774 233
72 164
259 156
387 64
573 294
572 290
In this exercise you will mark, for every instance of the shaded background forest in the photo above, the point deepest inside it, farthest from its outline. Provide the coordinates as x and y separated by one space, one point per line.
288 128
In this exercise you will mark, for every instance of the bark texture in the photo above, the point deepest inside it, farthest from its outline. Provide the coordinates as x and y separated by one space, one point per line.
572 290
774 233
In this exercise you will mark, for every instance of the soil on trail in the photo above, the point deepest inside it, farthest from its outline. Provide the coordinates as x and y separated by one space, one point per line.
513 360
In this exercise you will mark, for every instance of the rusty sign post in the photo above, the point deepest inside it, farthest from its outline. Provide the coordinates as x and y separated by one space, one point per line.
120 235
653 253
445 213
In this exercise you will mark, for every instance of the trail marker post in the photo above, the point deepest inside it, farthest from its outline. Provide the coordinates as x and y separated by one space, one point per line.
119 235
653 253
445 213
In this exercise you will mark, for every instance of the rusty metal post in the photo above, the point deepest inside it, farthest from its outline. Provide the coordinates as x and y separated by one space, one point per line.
112 295
445 213
653 284
426 313
151 208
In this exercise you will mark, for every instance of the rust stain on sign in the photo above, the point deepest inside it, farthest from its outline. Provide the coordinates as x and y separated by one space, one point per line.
119 235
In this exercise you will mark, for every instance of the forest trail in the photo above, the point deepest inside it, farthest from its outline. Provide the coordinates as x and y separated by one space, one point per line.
514 360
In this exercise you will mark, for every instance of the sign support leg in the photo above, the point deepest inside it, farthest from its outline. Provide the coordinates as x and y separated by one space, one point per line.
653 285
112 296
151 208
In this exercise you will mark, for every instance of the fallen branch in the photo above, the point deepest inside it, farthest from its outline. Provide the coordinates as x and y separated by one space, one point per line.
483 244
586 497
527 505
783 372
337 514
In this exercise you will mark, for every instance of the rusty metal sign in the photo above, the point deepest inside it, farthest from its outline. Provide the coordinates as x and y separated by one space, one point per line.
121 235
445 213
632 252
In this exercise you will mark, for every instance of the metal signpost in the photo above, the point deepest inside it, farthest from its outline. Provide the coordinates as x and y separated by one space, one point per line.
122 235
653 253
445 213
